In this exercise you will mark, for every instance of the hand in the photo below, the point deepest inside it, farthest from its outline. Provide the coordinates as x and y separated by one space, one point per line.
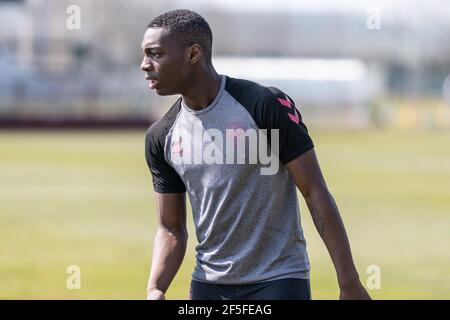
354 292
155 294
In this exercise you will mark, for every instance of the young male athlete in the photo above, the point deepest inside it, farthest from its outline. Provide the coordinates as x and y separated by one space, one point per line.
250 241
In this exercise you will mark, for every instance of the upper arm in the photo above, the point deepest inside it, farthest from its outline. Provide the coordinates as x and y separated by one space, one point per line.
165 178
171 208
170 190
296 150
280 112
306 172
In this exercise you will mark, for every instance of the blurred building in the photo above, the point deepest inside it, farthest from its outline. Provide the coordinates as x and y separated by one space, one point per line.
339 65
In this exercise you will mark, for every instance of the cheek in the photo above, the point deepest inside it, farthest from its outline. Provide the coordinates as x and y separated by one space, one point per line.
173 70
183 72
156 66
165 69
176 72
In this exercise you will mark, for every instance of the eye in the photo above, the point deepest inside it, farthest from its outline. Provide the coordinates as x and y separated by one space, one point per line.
153 54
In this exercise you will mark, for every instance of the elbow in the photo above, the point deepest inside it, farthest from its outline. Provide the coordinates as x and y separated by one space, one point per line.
178 233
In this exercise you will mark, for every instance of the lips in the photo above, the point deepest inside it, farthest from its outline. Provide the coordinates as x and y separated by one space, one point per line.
152 83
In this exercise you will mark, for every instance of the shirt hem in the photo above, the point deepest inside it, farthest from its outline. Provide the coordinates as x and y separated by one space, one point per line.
298 275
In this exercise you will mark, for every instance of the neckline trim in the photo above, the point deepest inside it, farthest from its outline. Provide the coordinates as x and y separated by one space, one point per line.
212 105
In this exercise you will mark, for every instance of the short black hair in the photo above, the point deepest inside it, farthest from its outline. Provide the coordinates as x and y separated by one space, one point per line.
188 26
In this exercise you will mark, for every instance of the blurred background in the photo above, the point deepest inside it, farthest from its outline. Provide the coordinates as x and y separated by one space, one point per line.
371 79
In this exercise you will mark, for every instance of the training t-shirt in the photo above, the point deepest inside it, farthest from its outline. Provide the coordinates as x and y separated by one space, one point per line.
247 220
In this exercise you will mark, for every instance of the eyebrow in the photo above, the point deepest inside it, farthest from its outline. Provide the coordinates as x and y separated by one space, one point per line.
150 48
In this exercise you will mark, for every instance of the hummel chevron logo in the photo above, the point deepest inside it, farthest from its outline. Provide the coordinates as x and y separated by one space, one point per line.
287 103
295 117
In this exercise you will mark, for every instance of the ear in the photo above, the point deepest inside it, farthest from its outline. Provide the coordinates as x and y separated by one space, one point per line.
194 54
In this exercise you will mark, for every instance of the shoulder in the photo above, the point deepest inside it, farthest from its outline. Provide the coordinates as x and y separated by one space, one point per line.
242 89
252 93
158 131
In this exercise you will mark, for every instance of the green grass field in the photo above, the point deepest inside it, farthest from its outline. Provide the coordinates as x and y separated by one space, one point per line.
86 199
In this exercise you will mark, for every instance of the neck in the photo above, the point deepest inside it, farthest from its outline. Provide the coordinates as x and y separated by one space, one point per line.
203 89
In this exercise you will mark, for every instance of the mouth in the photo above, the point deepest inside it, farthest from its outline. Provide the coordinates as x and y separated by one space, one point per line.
152 83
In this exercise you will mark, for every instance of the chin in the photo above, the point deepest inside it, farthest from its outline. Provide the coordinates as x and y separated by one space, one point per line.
162 92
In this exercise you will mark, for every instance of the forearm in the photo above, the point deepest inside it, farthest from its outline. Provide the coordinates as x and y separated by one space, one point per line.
169 249
329 224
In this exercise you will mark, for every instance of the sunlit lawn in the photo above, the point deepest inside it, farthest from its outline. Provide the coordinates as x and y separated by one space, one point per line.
86 199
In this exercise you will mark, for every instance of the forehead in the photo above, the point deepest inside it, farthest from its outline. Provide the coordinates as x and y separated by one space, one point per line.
156 37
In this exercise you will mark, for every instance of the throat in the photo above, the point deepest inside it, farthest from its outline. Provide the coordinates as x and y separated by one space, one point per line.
203 94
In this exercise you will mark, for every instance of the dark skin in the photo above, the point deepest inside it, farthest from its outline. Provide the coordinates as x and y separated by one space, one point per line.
186 71
178 70
308 177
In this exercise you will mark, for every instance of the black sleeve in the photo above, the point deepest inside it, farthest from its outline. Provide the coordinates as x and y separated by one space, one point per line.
279 112
165 178
271 108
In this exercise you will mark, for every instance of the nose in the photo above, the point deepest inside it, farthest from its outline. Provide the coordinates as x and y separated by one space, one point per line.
146 65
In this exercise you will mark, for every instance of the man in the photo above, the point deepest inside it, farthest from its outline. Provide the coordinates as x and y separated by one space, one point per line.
250 242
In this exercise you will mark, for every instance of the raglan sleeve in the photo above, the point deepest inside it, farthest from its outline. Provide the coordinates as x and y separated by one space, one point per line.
165 178
279 112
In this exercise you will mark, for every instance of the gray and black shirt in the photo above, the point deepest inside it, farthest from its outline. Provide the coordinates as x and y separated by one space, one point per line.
247 223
